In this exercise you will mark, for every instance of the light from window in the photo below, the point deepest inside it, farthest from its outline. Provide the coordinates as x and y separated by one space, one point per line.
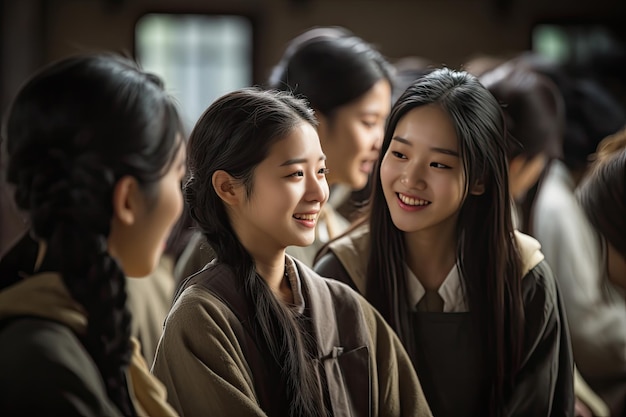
200 57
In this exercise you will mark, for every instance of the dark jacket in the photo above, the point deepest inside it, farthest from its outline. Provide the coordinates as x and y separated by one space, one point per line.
45 369
449 354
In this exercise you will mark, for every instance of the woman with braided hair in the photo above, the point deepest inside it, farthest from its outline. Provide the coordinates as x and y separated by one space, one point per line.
96 155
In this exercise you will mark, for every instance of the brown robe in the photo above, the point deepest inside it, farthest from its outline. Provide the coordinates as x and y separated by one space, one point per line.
213 364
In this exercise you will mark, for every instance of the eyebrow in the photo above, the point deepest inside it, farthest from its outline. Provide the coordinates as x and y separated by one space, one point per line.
432 148
300 161
369 112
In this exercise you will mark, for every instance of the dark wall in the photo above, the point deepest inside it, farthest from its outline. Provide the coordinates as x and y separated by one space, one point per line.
445 31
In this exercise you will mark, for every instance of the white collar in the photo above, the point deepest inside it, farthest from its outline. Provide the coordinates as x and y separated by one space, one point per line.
451 291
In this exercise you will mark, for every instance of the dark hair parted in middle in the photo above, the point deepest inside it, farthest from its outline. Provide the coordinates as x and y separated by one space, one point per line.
488 259
235 135
331 67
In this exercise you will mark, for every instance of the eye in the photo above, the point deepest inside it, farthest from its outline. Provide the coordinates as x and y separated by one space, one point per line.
398 155
323 171
297 174
438 165
368 124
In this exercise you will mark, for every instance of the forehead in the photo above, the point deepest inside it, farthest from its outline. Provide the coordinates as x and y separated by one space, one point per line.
376 100
301 142
428 125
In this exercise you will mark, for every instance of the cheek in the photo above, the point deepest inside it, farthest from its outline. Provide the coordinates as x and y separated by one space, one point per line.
387 177
177 202
326 189
364 139
388 172
617 267
173 204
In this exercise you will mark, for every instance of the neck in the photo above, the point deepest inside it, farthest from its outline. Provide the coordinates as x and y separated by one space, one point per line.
430 257
272 271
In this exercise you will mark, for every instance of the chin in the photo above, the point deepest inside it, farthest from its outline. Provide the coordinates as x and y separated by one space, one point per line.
357 184
404 225
140 271
303 243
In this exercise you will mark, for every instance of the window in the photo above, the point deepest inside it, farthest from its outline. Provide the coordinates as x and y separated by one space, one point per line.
574 43
200 57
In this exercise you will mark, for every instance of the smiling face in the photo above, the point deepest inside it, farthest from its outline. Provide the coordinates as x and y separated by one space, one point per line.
289 189
351 139
422 174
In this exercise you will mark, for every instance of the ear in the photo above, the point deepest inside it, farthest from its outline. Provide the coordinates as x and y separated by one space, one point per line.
226 187
125 200
478 188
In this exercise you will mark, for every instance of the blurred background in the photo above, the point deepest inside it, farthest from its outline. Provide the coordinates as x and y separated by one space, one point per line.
204 48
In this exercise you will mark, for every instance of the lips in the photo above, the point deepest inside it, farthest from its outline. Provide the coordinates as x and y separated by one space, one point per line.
306 216
412 201
367 166
308 220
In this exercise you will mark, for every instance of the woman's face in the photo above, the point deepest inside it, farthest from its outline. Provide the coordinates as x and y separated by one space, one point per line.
288 191
351 139
422 174
139 245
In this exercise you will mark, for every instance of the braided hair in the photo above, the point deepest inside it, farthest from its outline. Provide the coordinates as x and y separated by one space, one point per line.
74 129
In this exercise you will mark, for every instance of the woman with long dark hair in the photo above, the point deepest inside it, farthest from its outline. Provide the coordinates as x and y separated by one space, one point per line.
257 332
96 156
348 83
472 300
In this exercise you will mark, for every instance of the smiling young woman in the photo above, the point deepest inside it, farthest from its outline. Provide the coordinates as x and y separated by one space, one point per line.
472 299
257 332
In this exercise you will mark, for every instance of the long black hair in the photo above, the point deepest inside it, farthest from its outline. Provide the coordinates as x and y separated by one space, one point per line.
487 257
74 129
235 135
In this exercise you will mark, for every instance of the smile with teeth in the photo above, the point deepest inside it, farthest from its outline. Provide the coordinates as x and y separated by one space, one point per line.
410 201
305 216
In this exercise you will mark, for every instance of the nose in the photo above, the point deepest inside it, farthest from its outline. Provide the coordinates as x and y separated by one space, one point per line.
413 177
317 189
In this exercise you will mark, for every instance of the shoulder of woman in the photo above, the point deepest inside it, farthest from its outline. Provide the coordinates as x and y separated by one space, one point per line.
38 355
356 240
537 277
351 253
42 342
540 297
530 251
196 306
